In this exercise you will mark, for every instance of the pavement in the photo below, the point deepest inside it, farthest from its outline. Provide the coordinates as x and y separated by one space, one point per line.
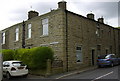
66 74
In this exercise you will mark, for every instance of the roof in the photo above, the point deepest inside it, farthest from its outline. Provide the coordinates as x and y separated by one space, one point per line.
89 19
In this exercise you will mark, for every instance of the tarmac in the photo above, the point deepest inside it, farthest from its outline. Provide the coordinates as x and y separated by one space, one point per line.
70 73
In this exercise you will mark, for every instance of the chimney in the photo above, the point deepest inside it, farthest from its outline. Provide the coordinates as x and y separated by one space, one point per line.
32 14
62 5
90 16
101 20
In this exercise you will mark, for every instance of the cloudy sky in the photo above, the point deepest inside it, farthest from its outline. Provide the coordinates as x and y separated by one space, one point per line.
15 11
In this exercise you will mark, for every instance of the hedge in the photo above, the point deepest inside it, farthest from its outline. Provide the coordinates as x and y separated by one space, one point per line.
40 56
35 58
8 54
23 55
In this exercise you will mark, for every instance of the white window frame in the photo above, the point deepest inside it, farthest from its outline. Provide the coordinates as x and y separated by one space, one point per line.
29 31
98 32
79 55
45 26
3 38
16 34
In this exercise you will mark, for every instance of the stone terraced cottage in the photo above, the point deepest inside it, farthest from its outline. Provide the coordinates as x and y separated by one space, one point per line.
75 39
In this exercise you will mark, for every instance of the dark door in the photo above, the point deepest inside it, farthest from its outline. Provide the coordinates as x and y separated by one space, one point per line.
93 52
106 51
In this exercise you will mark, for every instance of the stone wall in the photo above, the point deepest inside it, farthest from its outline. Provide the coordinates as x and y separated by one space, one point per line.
66 32
82 32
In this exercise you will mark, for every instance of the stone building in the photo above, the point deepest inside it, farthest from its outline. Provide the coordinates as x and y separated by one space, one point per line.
75 39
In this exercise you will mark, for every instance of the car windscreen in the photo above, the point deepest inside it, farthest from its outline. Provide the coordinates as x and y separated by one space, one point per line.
17 64
102 56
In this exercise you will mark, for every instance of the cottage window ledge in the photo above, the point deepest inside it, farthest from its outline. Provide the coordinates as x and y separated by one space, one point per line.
28 39
44 36
16 41
79 62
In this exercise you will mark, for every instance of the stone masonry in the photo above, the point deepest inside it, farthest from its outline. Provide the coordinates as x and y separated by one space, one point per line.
66 32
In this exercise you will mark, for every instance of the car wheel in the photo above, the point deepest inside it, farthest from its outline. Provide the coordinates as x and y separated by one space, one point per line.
8 75
99 66
112 65
25 76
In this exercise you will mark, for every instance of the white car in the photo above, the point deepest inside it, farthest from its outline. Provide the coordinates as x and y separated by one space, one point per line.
14 68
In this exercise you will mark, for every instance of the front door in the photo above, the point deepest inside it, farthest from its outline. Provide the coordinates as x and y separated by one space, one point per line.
93 53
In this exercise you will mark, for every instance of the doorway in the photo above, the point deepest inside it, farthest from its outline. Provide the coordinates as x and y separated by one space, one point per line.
93 59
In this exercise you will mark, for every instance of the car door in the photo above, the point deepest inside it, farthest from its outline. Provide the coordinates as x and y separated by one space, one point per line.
114 59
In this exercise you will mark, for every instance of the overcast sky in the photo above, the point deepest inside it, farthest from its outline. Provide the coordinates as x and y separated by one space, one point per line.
15 11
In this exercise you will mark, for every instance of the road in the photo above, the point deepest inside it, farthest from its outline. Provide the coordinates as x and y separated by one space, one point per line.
110 73
99 73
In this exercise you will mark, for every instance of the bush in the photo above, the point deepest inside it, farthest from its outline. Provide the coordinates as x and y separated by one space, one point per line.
40 56
23 55
8 54
35 58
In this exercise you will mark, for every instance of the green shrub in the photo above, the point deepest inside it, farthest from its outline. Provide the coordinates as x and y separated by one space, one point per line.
35 58
8 54
40 56
23 55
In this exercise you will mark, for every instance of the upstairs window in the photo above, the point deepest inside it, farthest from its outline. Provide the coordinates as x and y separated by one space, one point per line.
3 38
45 27
29 30
16 34
98 30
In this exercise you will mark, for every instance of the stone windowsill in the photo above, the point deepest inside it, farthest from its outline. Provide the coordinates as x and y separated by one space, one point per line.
44 35
28 39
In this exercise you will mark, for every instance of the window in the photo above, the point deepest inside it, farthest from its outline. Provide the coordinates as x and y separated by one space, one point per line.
6 64
3 38
99 47
98 32
29 30
112 56
79 54
45 26
17 34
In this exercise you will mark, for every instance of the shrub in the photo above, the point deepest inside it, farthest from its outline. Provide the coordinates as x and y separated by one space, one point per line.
40 56
23 55
8 54
35 58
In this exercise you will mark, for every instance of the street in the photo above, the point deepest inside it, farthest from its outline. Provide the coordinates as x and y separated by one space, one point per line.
99 73
107 73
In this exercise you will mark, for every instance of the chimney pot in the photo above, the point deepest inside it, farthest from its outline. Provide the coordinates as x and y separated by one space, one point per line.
62 5
32 14
90 16
101 20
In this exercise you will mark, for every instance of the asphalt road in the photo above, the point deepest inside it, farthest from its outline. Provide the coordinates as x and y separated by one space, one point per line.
99 73
107 74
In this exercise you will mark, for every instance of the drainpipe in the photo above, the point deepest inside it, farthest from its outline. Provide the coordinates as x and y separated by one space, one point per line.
114 40
66 41
23 35
118 45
